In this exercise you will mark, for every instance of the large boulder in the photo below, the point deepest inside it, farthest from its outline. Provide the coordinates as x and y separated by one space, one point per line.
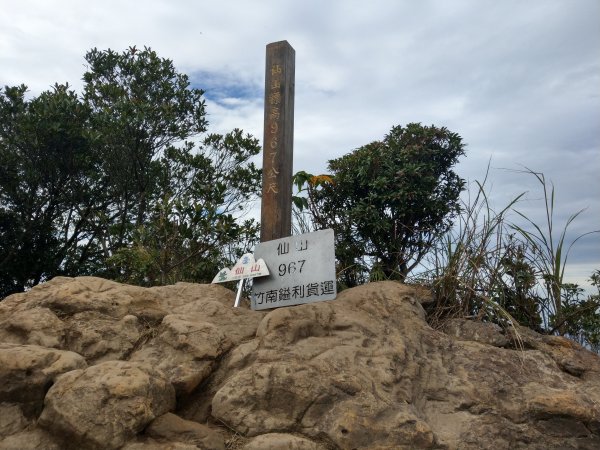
28 371
31 439
277 441
185 350
172 428
366 371
35 326
99 319
68 296
90 363
105 405
210 303
202 327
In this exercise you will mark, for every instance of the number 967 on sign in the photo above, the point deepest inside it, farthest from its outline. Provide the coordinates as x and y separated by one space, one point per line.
291 267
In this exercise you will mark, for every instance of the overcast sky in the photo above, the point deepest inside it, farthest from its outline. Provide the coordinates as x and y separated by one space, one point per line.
518 80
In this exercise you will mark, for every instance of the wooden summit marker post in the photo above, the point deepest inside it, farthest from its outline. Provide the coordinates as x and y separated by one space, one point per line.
301 268
276 206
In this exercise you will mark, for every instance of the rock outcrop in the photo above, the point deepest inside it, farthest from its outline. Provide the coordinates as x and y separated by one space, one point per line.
89 363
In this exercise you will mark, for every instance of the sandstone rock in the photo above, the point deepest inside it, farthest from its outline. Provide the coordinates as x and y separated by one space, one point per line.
100 319
36 326
203 326
175 429
210 303
103 320
270 396
12 419
313 357
151 444
68 296
35 439
337 387
368 424
99 337
367 372
181 294
105 405
480 397
185 350
472 330
362 371
277 441
28 371
568 355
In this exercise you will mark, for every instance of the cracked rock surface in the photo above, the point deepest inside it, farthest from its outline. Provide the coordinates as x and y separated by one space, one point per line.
90 363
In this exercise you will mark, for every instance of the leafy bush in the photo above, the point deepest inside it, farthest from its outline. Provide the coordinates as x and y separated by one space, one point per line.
119 181
389 201
581 315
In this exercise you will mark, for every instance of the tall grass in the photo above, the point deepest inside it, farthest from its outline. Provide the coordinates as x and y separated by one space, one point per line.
465 268
497 265
490 268
549 253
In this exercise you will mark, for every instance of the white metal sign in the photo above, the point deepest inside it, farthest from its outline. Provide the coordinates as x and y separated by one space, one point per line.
246 267
302 270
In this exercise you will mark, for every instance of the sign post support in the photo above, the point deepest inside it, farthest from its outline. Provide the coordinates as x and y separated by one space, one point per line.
276 206
238 296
